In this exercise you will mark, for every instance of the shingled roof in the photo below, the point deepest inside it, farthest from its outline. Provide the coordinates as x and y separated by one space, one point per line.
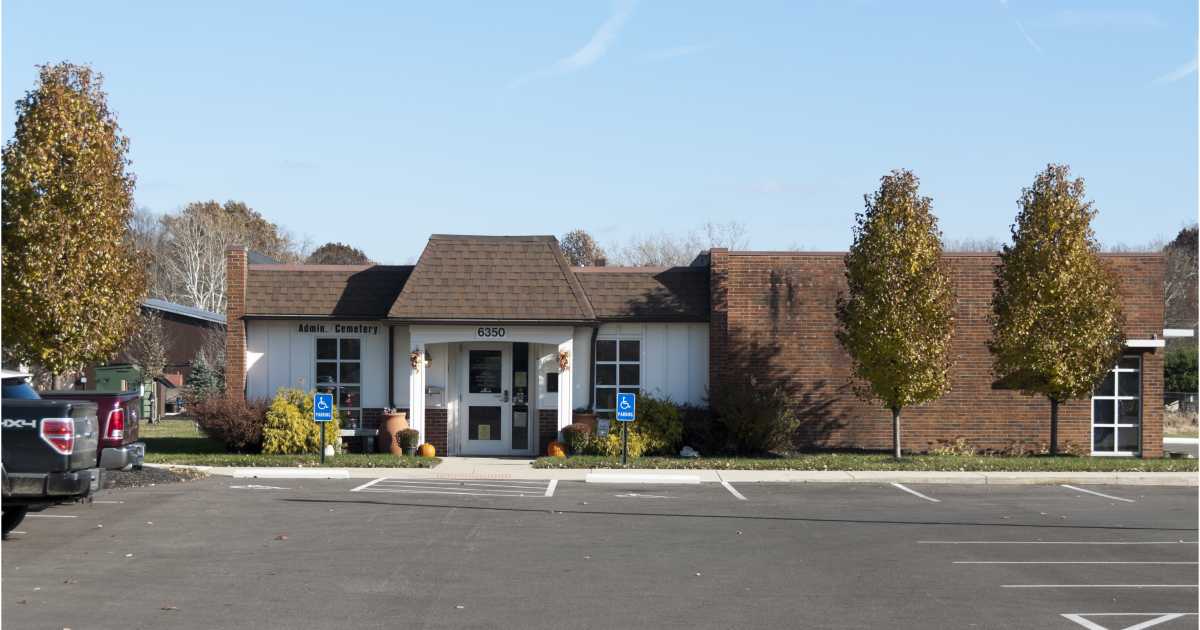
661 294
365 291
479 278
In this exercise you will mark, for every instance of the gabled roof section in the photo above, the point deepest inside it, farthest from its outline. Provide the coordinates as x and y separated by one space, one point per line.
359 291
492 278
185 311
648 294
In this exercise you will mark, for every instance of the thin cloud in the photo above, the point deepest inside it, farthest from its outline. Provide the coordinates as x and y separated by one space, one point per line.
1181 72
676 52
1021 27
589 53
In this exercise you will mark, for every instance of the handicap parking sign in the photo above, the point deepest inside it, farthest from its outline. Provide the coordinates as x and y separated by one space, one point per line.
323 407
626 407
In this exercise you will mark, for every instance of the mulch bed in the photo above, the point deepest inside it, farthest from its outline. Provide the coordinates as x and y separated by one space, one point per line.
148 477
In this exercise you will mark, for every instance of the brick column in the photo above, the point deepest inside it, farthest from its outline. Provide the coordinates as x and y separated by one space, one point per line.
718 319
235 325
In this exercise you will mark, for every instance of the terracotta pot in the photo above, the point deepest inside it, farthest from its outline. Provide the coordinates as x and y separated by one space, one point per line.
392 423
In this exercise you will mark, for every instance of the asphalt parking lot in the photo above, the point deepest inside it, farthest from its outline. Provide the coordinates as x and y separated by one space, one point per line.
496 553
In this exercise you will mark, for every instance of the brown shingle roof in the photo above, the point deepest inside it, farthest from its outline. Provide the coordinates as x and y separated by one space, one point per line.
324 290
647 293
468 278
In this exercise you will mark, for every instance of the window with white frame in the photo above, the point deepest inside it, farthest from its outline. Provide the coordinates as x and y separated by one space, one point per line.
618 366
1117 409
339 372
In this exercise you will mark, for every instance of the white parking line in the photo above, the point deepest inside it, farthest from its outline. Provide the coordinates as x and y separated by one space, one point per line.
1156 618
550 488
1066 562
460 487
469 494
423 486
99 501
915 493
51 516
1100 585
367 485
1099 494
445 483
730 488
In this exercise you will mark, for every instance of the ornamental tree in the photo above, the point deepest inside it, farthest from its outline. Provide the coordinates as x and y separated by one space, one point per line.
1056 312
898 316
580 249
337 254
71 291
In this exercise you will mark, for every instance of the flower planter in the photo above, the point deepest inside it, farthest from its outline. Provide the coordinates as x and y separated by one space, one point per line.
392 423
410 451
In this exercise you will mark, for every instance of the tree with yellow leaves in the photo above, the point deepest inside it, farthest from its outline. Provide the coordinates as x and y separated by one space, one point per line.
1056 314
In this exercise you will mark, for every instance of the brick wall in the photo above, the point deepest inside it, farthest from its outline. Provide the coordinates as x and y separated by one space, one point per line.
547 429
435 428
774 316
235 326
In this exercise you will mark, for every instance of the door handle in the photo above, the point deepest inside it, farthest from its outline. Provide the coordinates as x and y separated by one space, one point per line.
504 397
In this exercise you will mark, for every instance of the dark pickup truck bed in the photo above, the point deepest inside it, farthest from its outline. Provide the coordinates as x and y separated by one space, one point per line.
49 454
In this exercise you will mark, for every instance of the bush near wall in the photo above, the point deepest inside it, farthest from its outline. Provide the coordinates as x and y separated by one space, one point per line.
660 424
577 435
756 416
290 429
234 422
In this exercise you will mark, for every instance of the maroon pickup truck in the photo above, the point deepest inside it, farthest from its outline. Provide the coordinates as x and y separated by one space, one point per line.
117 413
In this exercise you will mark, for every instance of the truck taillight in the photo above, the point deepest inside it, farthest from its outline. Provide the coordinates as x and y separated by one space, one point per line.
116 424
59 433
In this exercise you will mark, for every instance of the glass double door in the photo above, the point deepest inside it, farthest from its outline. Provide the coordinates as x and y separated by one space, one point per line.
493 410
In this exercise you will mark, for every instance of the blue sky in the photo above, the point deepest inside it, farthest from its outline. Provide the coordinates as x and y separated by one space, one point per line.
377 124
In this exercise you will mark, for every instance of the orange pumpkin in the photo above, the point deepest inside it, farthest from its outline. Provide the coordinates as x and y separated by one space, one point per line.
556 449
426 450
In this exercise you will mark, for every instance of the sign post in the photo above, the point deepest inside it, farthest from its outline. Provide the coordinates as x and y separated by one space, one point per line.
322 413
626 413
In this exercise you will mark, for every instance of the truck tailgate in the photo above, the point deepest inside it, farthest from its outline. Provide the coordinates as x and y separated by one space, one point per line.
24 449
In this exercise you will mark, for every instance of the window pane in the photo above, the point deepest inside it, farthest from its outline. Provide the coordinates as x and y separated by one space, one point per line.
552 383
1106 386
606 350
606 398
1102 439
606 375
1127 439
630 351
351 372
630 374
350 418
484 371
1102 412
1127 411
351 348
327 348
348 397
326 373
1129 363
483 423
1128 384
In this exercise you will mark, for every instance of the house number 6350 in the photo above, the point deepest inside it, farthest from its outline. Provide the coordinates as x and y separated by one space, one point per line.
490 331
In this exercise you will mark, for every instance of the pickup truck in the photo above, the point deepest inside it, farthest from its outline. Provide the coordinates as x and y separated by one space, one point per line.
118 416
49 450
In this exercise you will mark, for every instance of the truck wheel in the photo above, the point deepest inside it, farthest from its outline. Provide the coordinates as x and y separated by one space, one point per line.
13 517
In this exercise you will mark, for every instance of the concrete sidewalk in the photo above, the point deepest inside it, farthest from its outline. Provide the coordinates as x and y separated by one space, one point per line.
497 468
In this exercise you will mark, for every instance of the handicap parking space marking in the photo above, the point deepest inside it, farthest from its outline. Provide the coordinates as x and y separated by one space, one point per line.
460 487
1122 618
1099 494
915 493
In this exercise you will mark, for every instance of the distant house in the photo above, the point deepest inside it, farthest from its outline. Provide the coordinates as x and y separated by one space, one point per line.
186 330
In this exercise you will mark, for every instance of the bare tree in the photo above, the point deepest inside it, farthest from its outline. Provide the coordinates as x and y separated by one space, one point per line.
1180 281
194 260
149 343
580 249
986 245
212 348
668 250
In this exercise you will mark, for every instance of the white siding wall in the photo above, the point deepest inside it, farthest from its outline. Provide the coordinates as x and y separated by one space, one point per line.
279 355
674 358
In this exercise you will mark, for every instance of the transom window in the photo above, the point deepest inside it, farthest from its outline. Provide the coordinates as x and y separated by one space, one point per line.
618 369
339 372
1117 409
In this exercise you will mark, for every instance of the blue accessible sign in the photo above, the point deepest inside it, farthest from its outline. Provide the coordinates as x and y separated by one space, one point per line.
323 407
626 407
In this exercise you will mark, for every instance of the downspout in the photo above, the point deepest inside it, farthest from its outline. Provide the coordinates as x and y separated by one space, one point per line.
391 366
592 371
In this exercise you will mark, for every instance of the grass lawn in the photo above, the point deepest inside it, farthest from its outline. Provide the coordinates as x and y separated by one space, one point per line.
877 461
177 441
